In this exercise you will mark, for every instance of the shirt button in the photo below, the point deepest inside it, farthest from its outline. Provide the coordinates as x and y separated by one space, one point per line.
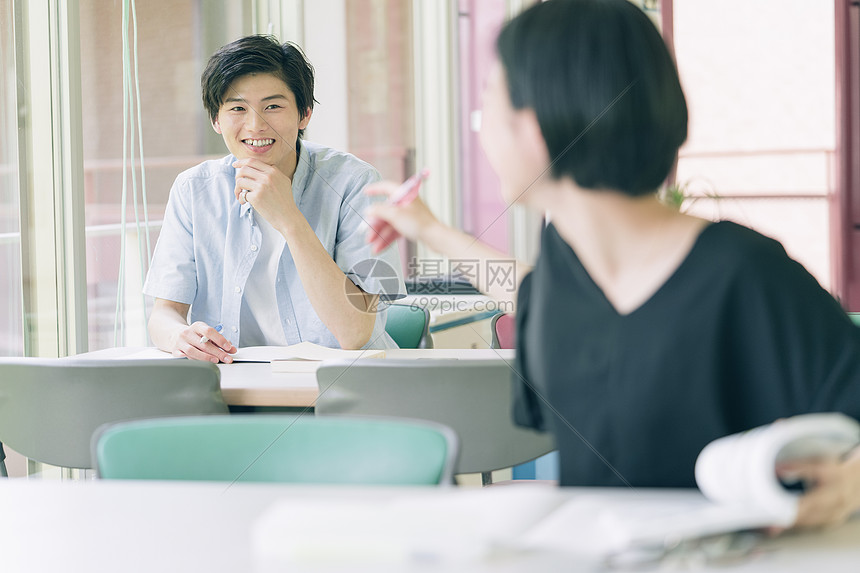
235 329
253 247
237 289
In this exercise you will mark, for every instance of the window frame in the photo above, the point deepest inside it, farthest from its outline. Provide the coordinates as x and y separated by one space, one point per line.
51 205
845 203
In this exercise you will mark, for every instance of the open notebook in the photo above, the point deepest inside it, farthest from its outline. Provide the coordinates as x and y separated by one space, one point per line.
739 488
301 357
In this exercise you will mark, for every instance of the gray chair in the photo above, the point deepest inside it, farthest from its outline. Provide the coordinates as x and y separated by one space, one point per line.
472 397
50 408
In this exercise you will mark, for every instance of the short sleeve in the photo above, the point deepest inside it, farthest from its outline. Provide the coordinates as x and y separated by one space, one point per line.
527 409
380 274
793 338
172 274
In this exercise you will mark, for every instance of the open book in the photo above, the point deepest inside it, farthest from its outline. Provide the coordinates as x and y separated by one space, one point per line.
739 488
301 357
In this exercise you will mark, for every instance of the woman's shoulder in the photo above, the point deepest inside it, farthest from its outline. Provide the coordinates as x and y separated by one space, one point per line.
753 258
730 234
729 244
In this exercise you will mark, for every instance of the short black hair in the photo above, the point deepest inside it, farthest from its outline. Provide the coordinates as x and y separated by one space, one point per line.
258 54
604 89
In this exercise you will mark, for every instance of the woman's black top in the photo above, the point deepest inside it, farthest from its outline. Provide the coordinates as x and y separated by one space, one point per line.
738 336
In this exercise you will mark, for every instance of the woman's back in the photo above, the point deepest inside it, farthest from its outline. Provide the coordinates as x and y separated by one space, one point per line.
737 336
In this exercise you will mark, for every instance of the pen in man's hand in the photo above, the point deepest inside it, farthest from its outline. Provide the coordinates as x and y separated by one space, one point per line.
204 339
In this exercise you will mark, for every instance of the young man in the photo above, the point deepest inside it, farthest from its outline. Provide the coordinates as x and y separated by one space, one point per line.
263 246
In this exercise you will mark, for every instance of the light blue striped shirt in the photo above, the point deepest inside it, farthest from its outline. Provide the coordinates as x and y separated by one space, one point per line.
209 242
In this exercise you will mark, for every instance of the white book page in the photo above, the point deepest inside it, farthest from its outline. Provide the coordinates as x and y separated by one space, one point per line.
302 351
148 354
739 485
601 524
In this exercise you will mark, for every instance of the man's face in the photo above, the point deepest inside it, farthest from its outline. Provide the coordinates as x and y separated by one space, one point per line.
259 119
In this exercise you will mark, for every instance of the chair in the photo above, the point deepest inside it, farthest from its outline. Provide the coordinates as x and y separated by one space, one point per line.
472 397
278 448
504 329
408 326
855 317
49 409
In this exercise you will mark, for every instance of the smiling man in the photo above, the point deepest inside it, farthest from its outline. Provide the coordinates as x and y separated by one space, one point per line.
265 246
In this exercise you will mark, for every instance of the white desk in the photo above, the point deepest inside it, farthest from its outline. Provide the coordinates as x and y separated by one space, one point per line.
254 384
99 527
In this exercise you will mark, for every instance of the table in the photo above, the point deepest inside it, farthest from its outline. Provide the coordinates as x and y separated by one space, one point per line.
254 384
104 526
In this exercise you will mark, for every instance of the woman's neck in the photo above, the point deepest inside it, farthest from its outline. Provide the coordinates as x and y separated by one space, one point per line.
629 245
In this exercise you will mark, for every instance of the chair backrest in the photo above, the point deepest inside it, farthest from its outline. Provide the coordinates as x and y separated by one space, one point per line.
49 409
278 448
472 397
408 325
504 329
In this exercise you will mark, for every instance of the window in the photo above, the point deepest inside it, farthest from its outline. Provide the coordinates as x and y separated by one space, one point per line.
175 39
759 79
11 297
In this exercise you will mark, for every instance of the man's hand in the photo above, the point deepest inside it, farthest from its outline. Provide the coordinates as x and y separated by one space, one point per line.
170 332
200 341
268 190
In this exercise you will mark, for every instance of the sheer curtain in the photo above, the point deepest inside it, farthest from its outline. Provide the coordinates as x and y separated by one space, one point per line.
174 40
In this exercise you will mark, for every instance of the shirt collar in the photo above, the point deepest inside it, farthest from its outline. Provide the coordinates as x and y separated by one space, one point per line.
302 174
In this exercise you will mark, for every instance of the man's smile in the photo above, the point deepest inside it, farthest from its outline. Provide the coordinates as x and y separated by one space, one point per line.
258 142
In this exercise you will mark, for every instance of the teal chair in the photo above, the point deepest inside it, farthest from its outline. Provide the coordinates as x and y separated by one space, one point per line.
278 448
408 325
855 316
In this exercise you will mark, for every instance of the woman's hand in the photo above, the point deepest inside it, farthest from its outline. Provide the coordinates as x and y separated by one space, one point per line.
388 221
835 491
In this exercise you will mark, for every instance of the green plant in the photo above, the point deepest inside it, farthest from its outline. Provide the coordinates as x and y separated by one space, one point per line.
675 194
679 196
